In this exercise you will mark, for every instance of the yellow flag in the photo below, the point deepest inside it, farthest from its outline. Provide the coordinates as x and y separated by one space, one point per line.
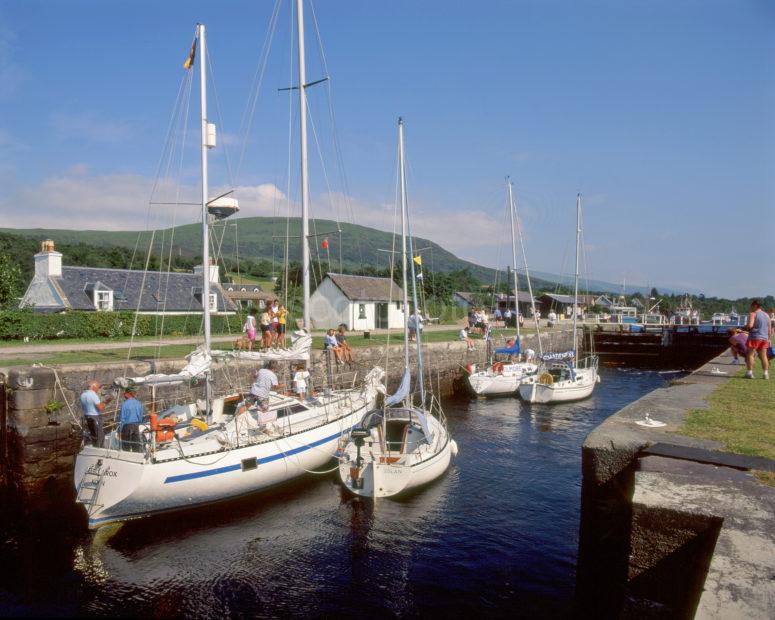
418 260
190 60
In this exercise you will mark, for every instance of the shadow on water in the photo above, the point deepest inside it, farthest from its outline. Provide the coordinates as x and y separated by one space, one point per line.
497 535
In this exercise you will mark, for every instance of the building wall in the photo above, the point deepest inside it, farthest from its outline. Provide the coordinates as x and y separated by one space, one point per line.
328 307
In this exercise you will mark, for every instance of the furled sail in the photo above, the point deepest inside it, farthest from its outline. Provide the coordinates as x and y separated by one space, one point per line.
198 365
301 344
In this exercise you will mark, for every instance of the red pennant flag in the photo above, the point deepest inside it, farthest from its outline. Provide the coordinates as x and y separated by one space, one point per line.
325 244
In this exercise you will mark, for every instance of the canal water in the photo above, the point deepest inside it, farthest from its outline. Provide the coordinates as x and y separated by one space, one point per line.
496 536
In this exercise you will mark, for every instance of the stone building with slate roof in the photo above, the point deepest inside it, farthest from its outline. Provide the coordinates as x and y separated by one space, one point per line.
360 302
56 288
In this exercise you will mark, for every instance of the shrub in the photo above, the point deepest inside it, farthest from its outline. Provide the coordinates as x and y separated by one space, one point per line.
20 324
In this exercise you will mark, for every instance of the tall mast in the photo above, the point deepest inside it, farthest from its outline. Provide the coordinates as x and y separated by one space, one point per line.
402 181
527 277
576 281
205 190
513 256
304 180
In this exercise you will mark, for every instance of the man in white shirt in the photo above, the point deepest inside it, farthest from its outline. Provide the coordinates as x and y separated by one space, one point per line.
266 379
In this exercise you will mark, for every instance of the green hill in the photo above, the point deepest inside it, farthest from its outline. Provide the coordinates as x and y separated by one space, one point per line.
264 238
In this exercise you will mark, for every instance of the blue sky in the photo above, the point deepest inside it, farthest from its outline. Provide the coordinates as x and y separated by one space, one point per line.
661 113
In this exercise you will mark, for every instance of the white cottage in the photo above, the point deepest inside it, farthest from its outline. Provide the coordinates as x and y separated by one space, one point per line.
360 302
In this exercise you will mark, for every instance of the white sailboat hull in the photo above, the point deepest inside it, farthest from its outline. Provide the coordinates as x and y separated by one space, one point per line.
490 383
568 390
380 478
131 486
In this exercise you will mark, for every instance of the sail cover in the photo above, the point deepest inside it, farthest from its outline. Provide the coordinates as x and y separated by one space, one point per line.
198 365
402 392
512 350
301 344
558 356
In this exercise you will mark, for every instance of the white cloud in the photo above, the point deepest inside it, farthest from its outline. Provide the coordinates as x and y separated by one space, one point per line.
77 200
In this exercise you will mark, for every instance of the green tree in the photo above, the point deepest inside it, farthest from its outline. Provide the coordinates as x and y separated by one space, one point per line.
10 282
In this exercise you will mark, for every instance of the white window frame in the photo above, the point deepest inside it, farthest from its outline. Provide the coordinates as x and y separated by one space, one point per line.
213 302
362 312
103 301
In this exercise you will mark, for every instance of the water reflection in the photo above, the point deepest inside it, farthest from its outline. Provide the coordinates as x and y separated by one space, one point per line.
495 535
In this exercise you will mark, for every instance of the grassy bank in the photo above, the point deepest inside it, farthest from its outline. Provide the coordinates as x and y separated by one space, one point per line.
741 416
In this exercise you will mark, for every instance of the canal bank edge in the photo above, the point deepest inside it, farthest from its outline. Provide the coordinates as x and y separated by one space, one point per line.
671 526
39 409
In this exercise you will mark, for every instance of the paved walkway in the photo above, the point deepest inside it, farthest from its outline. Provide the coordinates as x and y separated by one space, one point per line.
52 346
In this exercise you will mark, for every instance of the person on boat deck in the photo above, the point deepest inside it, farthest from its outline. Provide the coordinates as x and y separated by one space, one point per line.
737 344
92 406
282 317
274 311
265 322
341 341
466 338
266 379
330 343
250 327
300 378
759 335
131 416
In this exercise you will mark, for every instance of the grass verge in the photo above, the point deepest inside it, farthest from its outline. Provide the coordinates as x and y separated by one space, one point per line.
741 416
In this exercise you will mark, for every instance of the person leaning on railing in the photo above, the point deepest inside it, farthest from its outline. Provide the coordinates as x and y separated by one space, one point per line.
129 420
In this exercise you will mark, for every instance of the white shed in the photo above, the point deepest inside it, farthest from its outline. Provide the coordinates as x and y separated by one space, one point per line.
360 302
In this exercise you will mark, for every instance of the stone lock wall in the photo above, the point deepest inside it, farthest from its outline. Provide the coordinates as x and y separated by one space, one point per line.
41 417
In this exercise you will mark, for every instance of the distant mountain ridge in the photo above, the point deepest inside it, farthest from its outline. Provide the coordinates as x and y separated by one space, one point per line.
264 237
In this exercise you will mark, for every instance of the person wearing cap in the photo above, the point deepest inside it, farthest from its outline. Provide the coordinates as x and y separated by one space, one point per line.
92 406
131 416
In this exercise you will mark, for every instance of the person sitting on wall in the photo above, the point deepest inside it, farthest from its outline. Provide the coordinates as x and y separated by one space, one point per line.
463 336
92 407
129 420
330 343
341 342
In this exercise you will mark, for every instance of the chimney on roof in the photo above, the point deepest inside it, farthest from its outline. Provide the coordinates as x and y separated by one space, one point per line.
48 262
214 275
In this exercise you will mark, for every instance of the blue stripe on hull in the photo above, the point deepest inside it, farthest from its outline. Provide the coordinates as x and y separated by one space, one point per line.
268 459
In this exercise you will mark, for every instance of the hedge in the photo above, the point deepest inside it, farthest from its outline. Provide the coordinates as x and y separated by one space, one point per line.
21 324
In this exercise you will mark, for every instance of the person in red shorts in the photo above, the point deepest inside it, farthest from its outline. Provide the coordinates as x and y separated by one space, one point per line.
759 333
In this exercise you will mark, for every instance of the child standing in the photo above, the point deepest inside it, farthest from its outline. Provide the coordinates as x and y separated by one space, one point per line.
250 328
300 378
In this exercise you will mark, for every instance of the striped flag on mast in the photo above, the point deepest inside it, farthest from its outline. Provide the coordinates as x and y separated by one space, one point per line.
191 55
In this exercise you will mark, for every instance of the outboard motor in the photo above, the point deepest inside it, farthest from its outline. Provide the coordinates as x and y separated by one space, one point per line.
359 436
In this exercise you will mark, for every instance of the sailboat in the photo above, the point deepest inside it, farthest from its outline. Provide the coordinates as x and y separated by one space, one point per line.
399 446
502 378
562 376
217 448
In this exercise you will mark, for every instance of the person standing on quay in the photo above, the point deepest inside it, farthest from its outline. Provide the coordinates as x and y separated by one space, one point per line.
92 406
759 334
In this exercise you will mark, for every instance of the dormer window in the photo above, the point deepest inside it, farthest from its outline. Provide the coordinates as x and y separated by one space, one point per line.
213 302
101 296
103 300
